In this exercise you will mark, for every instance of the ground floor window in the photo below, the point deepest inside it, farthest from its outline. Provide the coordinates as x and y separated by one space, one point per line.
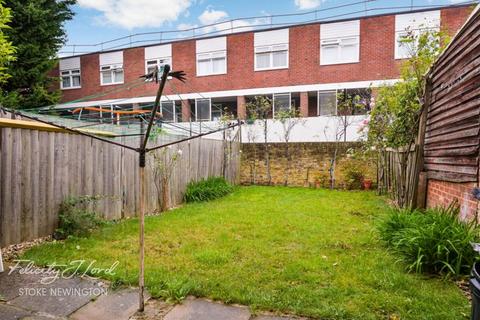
168 111
327 103
354 101
281 102
203 108
344 102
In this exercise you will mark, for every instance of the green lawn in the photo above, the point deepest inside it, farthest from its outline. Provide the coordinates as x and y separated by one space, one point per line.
303 251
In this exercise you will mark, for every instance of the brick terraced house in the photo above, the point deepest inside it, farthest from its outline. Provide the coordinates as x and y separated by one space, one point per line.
304 66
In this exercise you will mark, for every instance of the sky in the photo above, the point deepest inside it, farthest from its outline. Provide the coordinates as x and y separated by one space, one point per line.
97 21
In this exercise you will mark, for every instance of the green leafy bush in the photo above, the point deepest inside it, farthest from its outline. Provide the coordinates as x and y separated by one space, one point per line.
434 241
75 219
207 189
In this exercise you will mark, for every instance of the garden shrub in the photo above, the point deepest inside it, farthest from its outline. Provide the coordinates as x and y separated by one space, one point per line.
75 219
434 241
207 189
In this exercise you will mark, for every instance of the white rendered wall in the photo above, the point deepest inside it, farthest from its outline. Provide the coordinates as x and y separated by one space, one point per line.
312 129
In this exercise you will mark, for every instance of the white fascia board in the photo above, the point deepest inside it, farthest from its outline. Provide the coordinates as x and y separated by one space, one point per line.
242 92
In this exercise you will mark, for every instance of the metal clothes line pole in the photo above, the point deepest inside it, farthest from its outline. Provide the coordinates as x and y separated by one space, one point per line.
142 154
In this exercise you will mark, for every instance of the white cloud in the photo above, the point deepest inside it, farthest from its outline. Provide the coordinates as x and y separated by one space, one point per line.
210 16
307 4
137 13
186 26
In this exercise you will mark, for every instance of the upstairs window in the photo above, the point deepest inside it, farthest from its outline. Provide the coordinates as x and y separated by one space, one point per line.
413 25
111 68
158 56
271 49
70 73
211 56
151 65
271 57
112 74
211 63
281 102
70 79
340 42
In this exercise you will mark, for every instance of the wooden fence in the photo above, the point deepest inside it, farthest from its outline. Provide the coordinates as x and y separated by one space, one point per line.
39 169
398 175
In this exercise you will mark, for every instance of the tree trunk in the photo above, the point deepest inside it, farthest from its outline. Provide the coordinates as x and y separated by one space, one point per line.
165 194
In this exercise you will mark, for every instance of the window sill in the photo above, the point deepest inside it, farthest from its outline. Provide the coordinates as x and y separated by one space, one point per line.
269 69
337 63
210 74
110 84
70 88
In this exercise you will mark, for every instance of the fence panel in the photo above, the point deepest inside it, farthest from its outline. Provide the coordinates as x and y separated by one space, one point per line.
38 169
398 175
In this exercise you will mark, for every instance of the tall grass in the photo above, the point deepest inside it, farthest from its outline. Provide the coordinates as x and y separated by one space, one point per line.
434 241
207 189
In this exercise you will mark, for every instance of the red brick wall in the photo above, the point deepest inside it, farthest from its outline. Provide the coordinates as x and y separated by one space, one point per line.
376 61
453 19
442 193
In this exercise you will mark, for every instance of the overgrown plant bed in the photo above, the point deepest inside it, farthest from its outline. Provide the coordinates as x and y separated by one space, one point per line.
304 251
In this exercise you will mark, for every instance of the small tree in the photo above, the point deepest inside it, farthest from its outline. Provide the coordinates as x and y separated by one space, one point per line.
350 102
289 119
394 121
260 109
164 162
395 118
226 118
252 138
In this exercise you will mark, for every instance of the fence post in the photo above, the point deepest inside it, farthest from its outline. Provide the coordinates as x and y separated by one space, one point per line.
420 194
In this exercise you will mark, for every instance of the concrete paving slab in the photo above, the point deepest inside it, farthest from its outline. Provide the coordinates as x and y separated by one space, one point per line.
155 309
118 305
60 298
11 284
200 309
8 312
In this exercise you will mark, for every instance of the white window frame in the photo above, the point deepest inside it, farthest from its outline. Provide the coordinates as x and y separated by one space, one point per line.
211 56
281 94
113 68
174 111
318 102
70 75
209 109
338 42
270 49
159 62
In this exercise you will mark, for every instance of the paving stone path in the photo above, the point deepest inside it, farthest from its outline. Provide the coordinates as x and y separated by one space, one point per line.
24 296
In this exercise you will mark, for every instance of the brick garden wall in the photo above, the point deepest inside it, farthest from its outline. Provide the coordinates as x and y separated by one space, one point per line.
442 193
310 161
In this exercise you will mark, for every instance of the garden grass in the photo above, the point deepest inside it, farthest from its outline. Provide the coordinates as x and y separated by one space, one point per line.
302 251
